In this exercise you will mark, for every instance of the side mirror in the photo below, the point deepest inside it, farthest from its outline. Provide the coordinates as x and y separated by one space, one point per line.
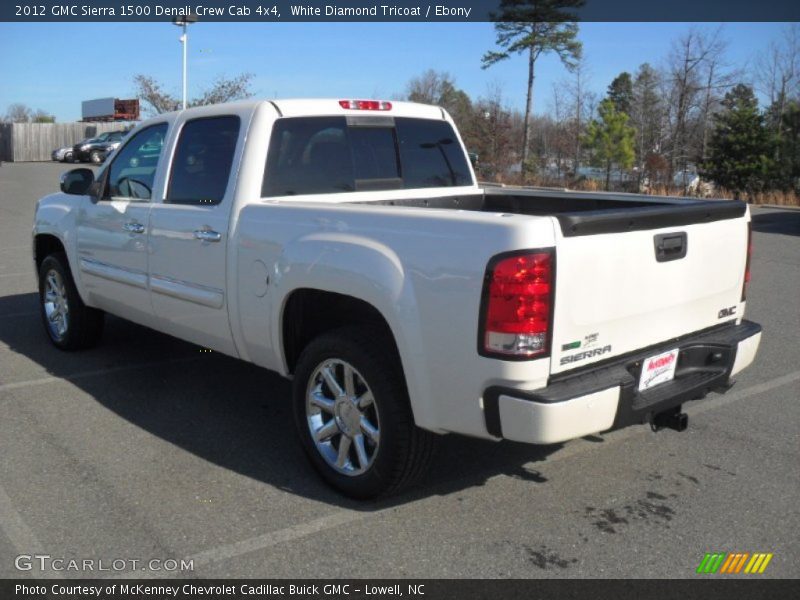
77 181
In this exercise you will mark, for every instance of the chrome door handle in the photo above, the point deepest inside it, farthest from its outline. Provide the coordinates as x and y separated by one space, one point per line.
133 227
207 235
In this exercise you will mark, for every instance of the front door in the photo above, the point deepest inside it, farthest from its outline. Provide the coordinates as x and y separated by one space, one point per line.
189 235
112 232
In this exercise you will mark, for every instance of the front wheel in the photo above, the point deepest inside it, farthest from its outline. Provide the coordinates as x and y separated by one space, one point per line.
69 323
353 415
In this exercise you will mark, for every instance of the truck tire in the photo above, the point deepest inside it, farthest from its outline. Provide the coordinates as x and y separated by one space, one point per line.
69 323
353 415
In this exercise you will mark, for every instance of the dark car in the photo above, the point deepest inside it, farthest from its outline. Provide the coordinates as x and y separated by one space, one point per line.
96 149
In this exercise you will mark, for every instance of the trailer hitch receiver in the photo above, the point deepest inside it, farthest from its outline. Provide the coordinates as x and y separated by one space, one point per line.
669 419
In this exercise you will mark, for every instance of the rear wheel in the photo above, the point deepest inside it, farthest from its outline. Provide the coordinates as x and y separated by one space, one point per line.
353 415
69 323
68 157
95 157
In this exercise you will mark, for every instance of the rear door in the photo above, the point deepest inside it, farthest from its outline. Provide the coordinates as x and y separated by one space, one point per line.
623 291
189 231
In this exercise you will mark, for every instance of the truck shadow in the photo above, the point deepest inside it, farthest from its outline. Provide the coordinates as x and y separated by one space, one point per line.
786 222
228 412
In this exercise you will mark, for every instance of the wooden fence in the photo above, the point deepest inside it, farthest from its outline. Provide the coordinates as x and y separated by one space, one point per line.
36 141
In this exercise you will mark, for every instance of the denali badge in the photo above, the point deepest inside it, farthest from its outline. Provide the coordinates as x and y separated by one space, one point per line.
726 312
581 355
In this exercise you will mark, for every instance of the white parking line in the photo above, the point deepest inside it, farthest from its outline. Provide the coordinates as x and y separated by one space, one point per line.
96 373
17 531
341 517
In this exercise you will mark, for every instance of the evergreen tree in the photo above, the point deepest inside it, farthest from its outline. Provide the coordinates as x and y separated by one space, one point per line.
535 27
611 139
787 168
620 92
740 150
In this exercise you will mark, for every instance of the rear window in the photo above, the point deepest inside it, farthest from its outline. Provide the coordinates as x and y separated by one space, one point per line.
317 155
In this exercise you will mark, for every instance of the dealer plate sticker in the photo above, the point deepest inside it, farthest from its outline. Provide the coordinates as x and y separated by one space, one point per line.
658 369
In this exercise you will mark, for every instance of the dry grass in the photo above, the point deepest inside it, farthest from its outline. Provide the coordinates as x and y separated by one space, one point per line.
775 197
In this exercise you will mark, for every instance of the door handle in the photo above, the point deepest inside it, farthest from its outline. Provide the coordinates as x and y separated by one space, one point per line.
133 227
670 246
207 235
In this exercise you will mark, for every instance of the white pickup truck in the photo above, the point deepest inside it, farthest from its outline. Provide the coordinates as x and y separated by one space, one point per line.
346 244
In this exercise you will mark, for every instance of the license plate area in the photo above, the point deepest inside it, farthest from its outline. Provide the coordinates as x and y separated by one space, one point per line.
658 369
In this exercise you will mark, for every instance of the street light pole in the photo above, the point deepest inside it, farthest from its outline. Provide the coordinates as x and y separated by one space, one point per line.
184 42
184 22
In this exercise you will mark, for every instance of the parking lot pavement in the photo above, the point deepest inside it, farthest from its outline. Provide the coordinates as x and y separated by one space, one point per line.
147 448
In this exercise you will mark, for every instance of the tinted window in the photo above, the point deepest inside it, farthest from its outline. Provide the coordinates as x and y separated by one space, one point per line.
430 154
315 155
374 154
202 163
308 156
133 171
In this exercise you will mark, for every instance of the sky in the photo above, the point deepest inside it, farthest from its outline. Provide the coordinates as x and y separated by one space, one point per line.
54 66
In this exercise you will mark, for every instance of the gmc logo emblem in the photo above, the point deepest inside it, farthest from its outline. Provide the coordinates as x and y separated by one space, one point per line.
726 312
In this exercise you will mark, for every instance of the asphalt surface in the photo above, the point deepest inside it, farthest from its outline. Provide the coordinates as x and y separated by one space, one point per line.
146 447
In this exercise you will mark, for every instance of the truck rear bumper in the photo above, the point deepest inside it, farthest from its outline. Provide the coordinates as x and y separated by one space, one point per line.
605 396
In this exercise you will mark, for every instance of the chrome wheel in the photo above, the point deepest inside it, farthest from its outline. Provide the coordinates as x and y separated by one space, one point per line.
56 307
342 417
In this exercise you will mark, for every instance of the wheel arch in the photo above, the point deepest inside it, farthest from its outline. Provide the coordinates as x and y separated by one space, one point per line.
45 244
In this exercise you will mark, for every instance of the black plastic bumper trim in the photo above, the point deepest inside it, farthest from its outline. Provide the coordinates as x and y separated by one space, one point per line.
704 365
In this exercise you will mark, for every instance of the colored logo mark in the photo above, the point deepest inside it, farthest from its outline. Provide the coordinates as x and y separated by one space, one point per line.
734 562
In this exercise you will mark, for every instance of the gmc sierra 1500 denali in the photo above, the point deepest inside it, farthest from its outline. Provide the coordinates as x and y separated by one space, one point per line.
346 244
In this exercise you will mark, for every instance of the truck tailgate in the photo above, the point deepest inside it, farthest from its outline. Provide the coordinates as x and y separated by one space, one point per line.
617 292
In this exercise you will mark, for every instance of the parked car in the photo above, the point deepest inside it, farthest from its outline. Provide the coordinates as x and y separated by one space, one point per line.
95 149
107 148
64 154
346 245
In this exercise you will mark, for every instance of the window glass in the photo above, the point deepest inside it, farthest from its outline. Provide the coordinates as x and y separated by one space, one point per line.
203 158
316 155
133 171
308 156
374 153
430 154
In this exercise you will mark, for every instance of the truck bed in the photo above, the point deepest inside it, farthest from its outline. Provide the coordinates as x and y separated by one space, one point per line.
588 213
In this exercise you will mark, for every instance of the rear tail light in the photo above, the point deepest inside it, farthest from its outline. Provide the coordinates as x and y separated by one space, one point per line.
517 305
365 104
747 262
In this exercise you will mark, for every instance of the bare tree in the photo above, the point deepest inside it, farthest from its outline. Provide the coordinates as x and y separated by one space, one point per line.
647 118
778 73
42 116
718 77
439 88
223 89
684 81
582 105
18 113
494 127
